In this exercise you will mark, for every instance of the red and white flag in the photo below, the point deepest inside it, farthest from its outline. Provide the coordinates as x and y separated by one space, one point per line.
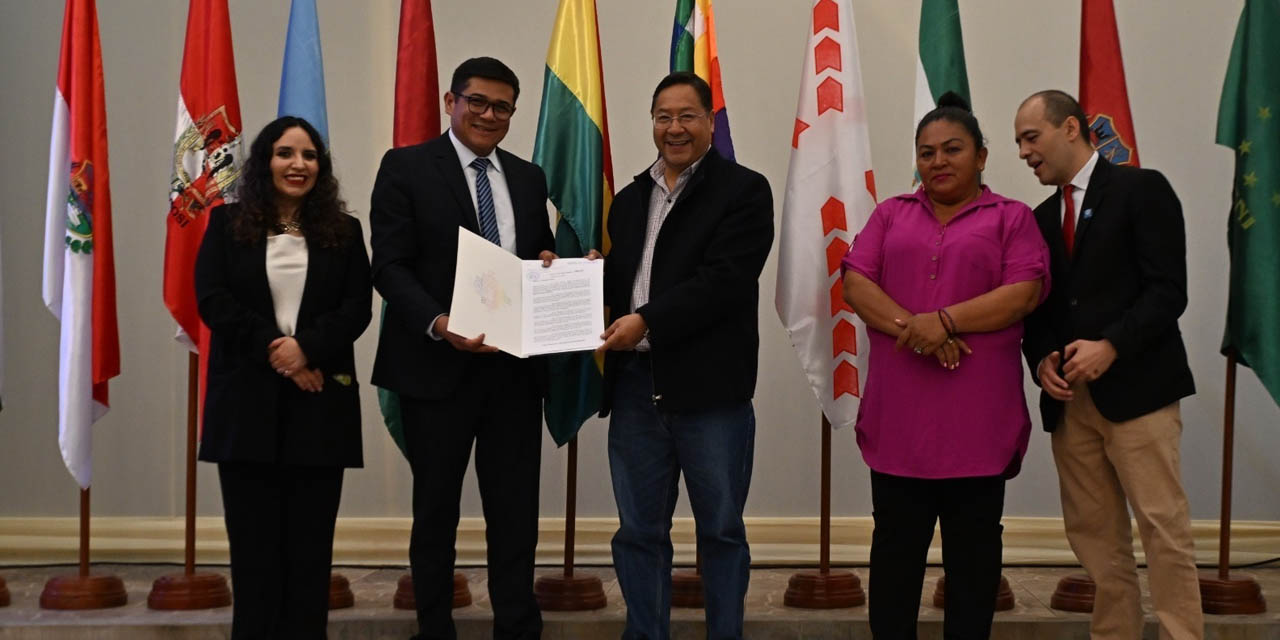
1102 88
79 269
206 159
830 196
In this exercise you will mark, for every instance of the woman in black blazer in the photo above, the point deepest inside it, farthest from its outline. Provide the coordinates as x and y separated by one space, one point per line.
282 281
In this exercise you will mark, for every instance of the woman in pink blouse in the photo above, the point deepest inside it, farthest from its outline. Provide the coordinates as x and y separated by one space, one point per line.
943 277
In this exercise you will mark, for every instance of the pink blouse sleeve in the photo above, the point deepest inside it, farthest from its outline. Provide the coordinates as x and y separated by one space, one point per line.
866 254
1026 256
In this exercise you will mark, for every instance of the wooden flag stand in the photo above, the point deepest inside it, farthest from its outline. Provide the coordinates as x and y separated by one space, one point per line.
83 591
686 586
189 590
824 588
1004 595
565 591
405 599
4 594
1074 593
1220 593
340 594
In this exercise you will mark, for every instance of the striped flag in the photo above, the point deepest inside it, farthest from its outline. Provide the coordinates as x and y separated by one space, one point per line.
830 195
693 48
207 153
79 270
302 78
417 119
940 59
572 147
1102 88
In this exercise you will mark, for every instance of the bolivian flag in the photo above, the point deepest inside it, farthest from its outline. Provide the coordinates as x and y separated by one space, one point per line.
693 48
572 147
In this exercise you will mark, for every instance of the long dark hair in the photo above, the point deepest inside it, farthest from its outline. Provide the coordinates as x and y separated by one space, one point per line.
323 213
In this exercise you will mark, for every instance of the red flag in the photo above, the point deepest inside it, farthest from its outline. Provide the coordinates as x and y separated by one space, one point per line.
417 117
207 153
1102 87
79 267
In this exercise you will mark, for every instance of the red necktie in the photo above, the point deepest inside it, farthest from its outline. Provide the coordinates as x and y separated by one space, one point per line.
1068 218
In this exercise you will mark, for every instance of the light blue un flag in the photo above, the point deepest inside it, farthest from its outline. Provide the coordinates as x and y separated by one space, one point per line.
302 79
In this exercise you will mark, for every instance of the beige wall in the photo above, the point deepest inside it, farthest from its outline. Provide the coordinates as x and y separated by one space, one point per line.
1176 56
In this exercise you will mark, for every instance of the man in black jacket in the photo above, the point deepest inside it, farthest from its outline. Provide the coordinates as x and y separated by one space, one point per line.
1107 353
690 237
454 390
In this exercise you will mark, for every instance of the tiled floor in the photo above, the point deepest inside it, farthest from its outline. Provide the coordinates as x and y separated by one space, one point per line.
767 618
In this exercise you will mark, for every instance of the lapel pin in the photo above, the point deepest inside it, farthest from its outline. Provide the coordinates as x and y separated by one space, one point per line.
1088 213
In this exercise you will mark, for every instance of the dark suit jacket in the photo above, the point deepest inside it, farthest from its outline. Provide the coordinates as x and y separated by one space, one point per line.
703 292
1126 282
420 198
251 413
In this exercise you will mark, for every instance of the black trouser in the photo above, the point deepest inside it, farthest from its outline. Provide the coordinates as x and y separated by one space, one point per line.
280 522
498 407
905 512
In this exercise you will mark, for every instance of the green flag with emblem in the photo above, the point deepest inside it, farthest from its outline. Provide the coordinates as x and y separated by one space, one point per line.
1249 123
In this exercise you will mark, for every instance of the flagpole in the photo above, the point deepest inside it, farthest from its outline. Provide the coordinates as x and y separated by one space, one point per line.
824 588
1222 594
188 591
82 590
567 592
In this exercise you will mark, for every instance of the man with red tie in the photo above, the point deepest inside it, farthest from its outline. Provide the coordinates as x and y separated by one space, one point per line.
1107 353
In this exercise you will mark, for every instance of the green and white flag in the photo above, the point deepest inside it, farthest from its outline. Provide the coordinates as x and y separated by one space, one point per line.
1249 123
939 60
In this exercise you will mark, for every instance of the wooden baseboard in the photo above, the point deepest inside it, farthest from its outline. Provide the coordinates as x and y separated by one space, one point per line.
385 541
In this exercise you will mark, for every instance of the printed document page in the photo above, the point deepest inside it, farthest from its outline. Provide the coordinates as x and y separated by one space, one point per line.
520 306
563 305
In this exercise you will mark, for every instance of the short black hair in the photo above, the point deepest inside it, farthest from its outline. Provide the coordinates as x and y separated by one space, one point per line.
483 67
1060 105
954 108
684 77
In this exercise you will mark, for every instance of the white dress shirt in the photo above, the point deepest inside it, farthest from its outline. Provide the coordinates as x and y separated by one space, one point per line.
502 208
1079 184
287 276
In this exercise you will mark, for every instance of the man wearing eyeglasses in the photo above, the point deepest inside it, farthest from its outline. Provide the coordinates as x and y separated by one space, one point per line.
690 237
453 390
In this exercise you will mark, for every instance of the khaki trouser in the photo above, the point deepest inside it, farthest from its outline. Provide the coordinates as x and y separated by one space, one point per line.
1100 464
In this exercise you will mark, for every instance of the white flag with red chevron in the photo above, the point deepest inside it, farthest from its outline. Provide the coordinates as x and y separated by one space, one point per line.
830 195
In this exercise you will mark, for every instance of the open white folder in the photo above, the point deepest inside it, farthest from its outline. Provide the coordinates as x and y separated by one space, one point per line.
522 307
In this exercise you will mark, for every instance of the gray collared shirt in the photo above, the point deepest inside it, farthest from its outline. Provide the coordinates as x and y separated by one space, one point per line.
661 200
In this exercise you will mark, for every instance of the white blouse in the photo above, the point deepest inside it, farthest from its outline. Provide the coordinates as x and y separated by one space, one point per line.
287 275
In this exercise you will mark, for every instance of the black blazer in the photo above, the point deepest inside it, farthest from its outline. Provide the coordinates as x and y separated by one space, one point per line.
703 291
251 413
1126 282
420 198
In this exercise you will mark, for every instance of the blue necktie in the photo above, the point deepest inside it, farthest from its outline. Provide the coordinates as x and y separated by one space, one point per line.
484 202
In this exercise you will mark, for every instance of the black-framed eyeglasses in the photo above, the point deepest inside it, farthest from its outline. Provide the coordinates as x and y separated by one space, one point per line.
479 104
663 121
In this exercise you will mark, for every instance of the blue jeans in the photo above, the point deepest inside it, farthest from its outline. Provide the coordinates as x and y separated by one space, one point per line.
648 450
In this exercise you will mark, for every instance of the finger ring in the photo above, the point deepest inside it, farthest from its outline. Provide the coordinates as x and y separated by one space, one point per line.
918 350
280 371
951 341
